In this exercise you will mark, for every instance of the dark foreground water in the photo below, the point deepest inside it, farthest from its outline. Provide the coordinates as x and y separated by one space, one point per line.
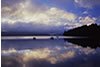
48 53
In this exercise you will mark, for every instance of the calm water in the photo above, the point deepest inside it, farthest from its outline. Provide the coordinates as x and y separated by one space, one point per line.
44 52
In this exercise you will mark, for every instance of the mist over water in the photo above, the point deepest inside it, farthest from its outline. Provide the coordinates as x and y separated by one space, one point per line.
47 53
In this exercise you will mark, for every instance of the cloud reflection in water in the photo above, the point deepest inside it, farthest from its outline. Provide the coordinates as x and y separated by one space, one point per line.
47 53
47 56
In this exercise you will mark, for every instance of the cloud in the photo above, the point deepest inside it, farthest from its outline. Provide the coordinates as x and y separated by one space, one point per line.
79 21
98 20
59 54
85 12
52 18
39 54
30 16
20 7
50 15
61 3
52 56
87 20
87 3
88 51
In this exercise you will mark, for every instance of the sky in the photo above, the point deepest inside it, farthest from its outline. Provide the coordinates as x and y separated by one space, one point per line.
48 16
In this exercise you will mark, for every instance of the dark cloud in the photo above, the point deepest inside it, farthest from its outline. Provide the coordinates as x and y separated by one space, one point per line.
31 27
8 3
9 61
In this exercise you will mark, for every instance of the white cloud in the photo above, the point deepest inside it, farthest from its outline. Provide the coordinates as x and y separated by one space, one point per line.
50 55
87 3
85 12
29 15
87 20
50 17
25 12
88 50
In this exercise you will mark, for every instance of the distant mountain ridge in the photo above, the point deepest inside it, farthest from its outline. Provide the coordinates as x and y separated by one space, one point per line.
91 31
20 34
26 34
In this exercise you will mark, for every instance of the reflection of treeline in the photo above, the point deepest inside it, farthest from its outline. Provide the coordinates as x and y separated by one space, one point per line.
85 42
90 31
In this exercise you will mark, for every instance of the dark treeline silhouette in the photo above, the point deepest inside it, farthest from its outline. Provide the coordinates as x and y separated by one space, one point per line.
85 42
90 31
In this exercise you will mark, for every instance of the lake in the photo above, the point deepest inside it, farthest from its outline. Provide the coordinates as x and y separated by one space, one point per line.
24 51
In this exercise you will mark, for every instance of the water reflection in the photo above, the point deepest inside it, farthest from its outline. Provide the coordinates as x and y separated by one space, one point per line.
85 42
21 44
48 53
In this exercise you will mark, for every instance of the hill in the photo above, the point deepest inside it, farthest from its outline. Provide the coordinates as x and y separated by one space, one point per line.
90 31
